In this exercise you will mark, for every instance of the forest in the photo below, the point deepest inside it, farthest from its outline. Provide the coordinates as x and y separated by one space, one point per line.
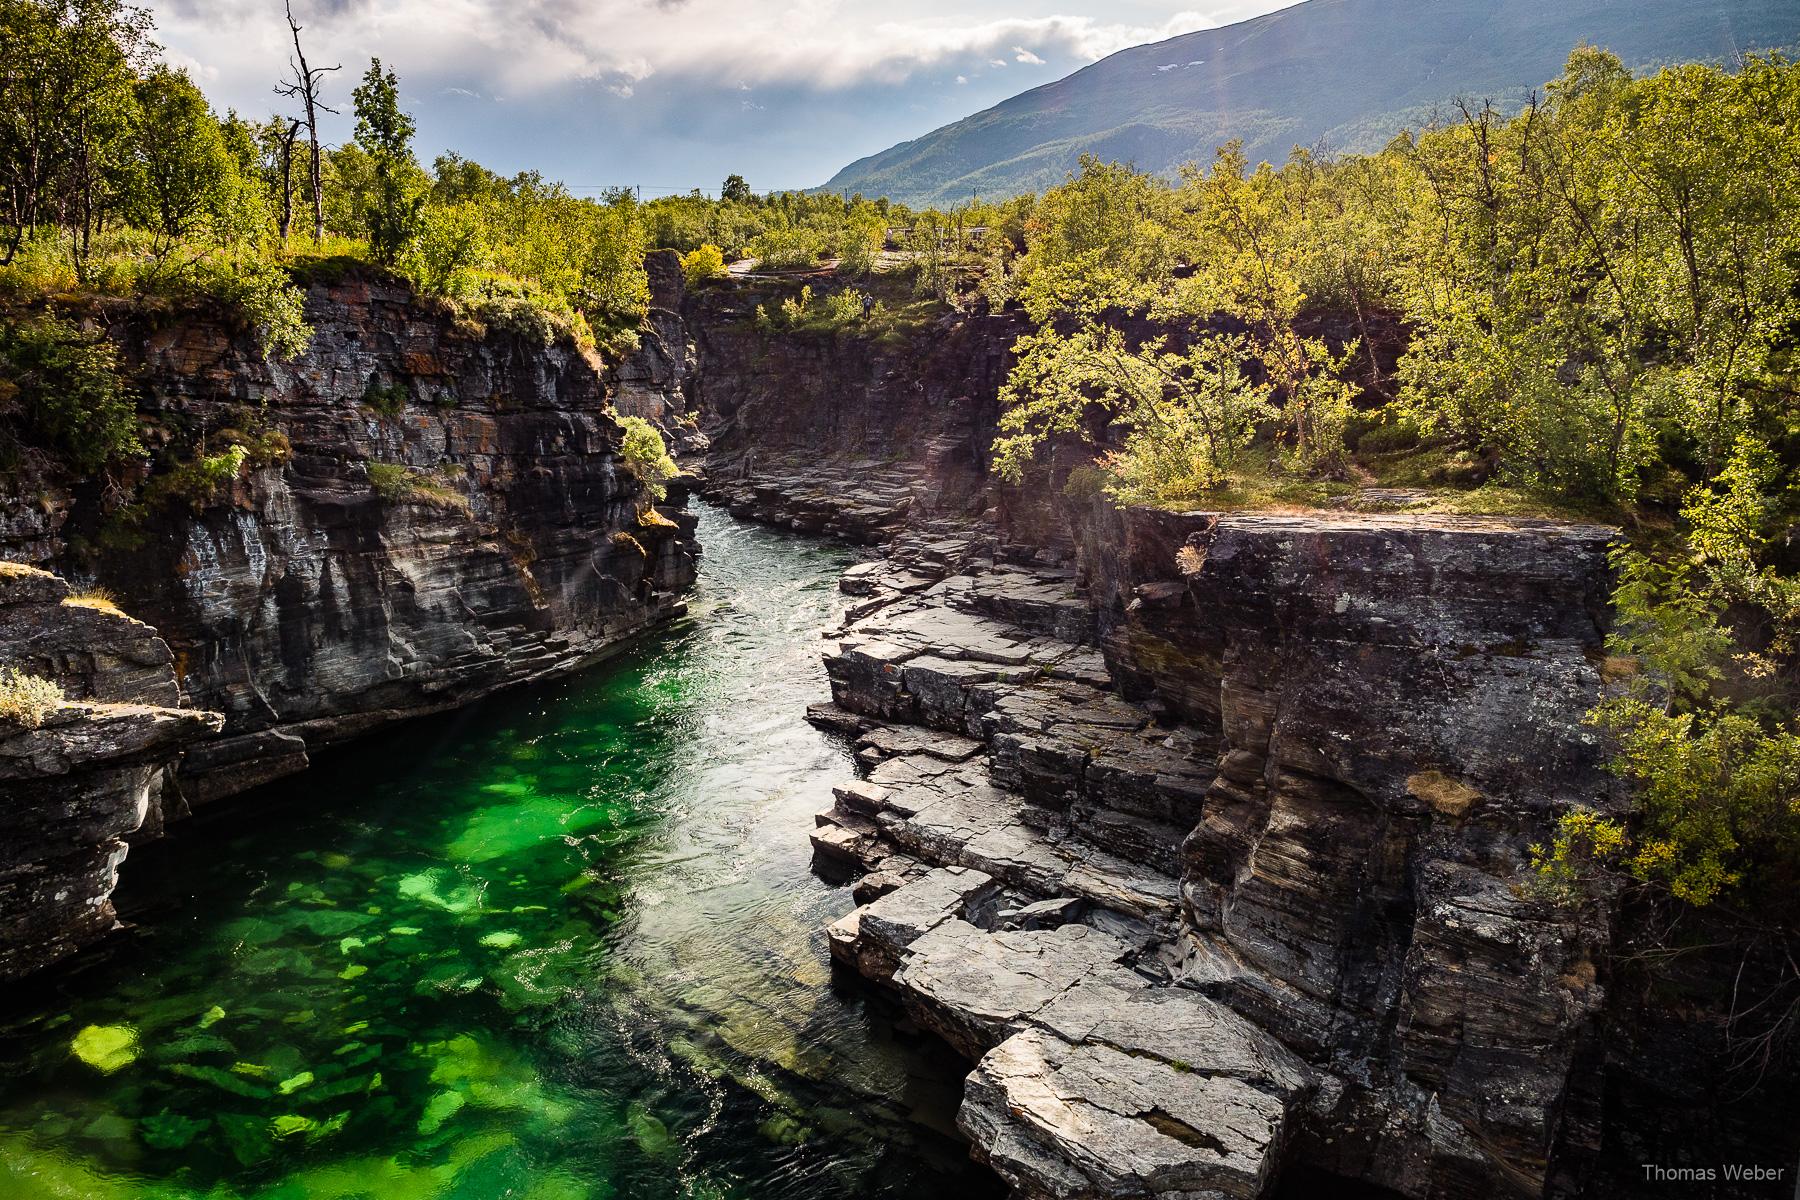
1596 308
1587 308
119 179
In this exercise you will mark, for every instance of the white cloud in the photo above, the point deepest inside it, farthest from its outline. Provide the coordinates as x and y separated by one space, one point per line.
962 79
522 46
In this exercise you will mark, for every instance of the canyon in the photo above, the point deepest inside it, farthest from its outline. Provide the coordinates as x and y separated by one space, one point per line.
302 604
1203 836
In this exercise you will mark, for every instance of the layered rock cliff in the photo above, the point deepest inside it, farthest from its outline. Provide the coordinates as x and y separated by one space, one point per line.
93 769
429 508
1298 875
1205 836
843 433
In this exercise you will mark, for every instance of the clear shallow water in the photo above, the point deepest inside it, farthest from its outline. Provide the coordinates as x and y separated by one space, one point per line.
561 946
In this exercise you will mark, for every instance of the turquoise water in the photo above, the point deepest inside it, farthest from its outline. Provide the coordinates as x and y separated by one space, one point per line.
562 946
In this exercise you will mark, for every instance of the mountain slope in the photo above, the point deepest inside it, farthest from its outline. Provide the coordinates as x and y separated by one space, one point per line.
1351 72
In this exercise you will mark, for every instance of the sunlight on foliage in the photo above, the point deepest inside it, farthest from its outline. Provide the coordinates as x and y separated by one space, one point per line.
646 456
25 700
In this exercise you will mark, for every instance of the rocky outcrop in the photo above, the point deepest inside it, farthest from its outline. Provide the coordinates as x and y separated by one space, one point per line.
92 771
1399 703
1252 795
844 432
431 508
657 380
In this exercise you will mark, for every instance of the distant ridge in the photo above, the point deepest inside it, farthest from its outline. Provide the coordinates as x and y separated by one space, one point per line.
1349 72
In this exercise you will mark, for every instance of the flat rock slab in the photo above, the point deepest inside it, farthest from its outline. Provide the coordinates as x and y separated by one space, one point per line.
1188 1031
883 930
891 740
1083 1121
976 988
948 813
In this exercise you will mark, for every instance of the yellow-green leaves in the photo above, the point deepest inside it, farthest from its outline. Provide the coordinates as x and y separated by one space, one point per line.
1107 238
645 455
704 262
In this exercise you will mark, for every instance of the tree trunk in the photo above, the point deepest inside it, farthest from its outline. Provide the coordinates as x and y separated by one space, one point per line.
287 180
318 191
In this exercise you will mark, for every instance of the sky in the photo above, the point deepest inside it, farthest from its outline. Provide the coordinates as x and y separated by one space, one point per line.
670 95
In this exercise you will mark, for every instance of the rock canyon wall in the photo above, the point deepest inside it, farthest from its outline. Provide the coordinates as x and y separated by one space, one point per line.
1205 836
90 771
427 509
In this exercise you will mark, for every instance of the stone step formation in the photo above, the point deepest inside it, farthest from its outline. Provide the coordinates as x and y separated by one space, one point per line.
1014 843
863 500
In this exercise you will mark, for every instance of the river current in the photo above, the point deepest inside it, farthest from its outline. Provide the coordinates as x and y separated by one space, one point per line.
563 945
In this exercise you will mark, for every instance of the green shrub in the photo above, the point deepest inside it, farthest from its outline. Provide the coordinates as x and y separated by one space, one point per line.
26 700
842 308
495 304
801 314
1187 417
387 399
450 246
268 300
65 395
705 262
645 455
200 482
796 309
1700 717
40 267
1085 484
787 249
266 448
521 319
1387 437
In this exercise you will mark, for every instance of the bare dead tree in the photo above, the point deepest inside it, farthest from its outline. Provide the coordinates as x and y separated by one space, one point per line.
286 151
303 82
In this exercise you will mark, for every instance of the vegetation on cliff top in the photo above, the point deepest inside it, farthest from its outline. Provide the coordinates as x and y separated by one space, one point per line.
1598 298
1591 306
118 180
1596 308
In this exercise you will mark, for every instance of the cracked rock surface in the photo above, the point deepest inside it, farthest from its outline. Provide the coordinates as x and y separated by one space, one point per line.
1206 918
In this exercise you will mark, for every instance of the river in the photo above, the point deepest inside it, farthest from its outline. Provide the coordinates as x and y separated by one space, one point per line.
563 945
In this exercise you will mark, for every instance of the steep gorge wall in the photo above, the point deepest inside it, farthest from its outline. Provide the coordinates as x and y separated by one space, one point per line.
1399 707
315 598
90 773
844 432
1389 711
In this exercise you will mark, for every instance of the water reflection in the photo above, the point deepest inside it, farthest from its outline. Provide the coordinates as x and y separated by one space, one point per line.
563 945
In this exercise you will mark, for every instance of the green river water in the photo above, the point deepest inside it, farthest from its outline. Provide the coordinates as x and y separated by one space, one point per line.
564 945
